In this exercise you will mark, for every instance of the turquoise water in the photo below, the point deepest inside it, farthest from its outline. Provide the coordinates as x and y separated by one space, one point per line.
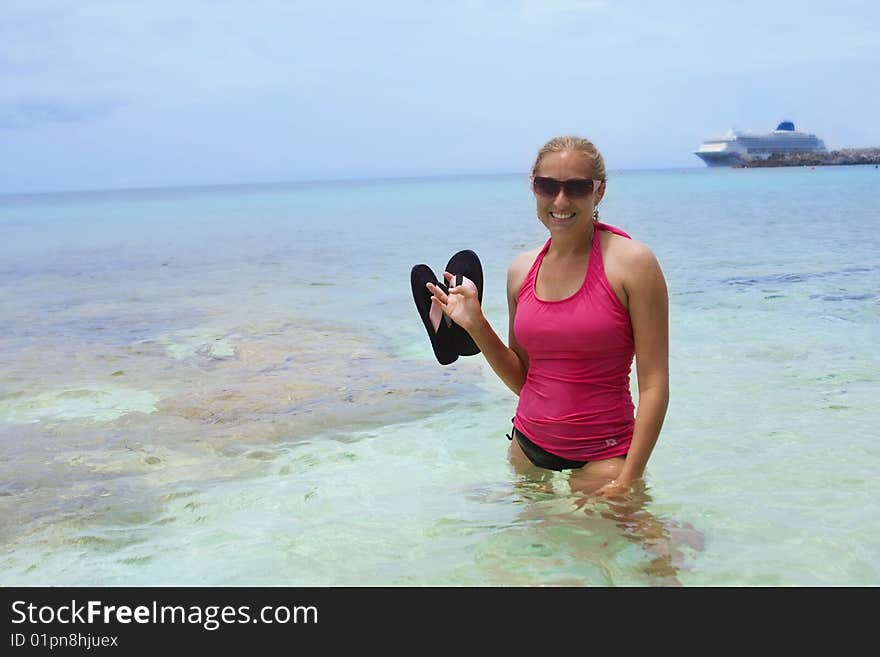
231 386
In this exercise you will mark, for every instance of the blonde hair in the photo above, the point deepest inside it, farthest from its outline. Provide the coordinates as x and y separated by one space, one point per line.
579 144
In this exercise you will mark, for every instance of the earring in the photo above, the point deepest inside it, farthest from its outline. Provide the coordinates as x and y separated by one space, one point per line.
595 214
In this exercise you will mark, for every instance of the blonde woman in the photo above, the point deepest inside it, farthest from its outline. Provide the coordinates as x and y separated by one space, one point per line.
581 307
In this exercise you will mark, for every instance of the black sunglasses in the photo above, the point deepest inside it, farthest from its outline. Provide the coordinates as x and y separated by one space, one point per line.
574 188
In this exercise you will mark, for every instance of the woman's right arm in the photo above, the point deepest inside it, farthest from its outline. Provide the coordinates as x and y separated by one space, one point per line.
510 363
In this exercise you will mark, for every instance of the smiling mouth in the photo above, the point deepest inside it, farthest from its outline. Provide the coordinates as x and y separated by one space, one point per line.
562 215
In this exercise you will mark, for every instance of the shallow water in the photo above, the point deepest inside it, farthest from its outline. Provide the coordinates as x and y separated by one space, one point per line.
232 386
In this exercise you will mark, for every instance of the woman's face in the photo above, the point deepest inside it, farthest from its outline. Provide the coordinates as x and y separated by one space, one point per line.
562 213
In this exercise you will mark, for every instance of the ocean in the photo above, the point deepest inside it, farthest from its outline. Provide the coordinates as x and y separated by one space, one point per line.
231 386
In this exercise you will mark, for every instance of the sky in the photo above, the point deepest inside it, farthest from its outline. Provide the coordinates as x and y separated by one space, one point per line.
101 94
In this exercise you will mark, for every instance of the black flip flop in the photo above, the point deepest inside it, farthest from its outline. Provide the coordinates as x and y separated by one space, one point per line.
440 329
466 265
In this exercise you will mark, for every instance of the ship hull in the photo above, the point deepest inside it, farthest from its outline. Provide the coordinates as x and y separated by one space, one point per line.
720 159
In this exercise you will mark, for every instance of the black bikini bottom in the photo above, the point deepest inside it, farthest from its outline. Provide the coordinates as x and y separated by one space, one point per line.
541 457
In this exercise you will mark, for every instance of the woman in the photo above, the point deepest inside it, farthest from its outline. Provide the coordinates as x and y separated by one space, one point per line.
580 308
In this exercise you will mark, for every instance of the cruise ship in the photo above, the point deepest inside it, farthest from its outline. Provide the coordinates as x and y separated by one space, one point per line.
740 145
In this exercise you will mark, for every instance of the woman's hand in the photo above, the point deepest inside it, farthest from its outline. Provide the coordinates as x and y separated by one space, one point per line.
461 304
614 489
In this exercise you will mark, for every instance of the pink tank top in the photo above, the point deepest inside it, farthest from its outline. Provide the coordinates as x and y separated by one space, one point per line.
576 400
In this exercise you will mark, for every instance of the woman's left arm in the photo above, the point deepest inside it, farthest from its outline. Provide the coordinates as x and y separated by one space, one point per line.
648 302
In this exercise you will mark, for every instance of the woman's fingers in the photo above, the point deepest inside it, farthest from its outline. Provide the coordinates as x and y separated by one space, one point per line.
443 297
437 294
466 289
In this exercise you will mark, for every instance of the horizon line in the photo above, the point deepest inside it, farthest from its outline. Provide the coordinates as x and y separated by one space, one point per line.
300 182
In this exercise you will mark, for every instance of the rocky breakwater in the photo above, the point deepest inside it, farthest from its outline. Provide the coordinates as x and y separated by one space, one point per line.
840 157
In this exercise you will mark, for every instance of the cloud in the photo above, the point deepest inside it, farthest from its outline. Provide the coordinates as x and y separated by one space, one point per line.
537 7
34 112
